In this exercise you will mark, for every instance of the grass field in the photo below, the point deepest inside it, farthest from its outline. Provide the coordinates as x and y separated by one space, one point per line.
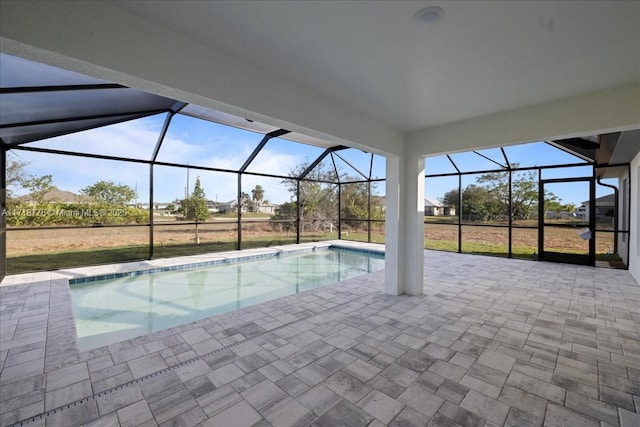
39 249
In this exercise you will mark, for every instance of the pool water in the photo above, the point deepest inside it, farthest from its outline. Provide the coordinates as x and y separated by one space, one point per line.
109 311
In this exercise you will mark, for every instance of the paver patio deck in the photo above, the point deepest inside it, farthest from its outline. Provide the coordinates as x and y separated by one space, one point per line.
491 342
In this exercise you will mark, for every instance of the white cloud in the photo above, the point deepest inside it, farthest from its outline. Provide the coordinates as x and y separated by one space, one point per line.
137 139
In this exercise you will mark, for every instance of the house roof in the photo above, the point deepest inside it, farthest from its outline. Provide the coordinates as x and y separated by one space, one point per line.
609 199
432 202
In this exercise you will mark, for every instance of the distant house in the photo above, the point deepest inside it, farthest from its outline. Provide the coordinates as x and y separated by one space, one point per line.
605 207
212 206
230 206
435 208
266 208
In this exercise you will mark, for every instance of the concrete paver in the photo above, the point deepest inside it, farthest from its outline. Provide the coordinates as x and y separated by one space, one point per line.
490 342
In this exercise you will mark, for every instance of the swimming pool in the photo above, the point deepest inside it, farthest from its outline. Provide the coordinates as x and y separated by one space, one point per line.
108 310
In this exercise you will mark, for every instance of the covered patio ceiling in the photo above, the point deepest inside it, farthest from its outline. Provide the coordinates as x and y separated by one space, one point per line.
362 73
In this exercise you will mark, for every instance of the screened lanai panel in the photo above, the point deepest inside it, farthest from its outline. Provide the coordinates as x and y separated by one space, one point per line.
133 139
40 101
485 198
23 134
266 194
379 170
325 170
494 155
441 199
356 164
473 162
318 211
282 157
539 154
174 184
524 198
38 115
51 106
570 172
438 165
269 216
198 142
71 174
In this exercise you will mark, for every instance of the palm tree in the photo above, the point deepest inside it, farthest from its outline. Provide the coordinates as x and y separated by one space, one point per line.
258 195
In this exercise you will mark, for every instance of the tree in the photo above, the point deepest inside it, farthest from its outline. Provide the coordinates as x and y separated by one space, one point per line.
257 196
38 187
355 204
570 208
552 203
478 203
319 200
15 175
245 200
488 199
524 191
110 193
195 207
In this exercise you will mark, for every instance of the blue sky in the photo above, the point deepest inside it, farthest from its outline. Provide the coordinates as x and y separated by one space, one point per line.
198 142
189 141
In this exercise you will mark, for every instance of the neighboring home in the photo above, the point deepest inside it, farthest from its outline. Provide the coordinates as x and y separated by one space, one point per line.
605 206
230 206
433 207
266 208
212 206
161 205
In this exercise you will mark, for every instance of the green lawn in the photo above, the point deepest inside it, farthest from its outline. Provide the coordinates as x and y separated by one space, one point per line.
521 252
77 258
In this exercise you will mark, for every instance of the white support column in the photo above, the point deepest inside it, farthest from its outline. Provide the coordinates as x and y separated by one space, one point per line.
404 236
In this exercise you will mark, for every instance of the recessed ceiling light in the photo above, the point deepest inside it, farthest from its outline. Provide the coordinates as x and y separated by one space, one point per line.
428 16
